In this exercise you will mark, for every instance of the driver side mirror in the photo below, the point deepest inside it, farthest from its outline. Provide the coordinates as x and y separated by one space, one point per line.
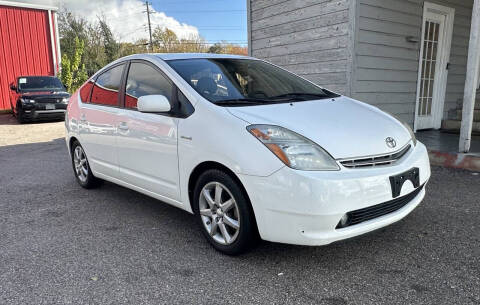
13 87
153 104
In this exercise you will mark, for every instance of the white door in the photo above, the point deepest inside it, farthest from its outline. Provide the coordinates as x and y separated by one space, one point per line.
433 65
147 142
97 121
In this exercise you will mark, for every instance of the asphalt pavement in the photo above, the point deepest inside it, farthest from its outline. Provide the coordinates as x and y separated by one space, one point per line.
61 244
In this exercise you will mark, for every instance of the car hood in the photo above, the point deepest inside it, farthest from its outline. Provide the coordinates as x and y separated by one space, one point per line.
342 126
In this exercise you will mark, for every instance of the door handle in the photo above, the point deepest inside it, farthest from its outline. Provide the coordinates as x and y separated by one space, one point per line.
123 126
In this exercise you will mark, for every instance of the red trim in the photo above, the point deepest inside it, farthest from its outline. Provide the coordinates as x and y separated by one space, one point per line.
455 160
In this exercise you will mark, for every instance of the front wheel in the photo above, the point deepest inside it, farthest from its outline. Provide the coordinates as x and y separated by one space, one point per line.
81 168
224 213
20 118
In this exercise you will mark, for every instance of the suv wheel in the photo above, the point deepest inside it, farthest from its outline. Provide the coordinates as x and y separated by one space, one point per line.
224 213
20 118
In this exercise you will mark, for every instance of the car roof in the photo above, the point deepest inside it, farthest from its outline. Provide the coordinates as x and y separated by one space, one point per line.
167 57
37 76
172 56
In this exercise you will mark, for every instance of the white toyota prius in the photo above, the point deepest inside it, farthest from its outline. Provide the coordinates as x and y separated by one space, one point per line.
251 149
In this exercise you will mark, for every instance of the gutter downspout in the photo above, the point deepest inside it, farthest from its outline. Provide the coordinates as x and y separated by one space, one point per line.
52 42
59 55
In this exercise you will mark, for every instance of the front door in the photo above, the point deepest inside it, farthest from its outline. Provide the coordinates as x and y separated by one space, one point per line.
433 65
147 142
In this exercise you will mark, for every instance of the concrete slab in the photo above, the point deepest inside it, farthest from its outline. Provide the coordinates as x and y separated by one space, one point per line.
443 150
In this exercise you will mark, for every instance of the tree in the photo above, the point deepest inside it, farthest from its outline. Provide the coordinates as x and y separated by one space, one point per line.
227 48
216 48
110 45
73 73
165 40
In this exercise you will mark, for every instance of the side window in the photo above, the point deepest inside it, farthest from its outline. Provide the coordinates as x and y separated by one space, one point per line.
142 80
106 88
85 91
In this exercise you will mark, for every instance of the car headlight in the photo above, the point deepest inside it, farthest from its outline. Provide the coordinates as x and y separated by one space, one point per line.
412 134
293 149
65 100
27 101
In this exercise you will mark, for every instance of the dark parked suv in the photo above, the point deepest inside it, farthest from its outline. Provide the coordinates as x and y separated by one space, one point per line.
38 97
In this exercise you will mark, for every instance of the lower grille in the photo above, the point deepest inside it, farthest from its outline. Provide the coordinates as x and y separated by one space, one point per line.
365 214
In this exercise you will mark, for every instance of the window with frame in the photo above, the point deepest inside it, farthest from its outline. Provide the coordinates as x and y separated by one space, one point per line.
143 79
107 87
85 91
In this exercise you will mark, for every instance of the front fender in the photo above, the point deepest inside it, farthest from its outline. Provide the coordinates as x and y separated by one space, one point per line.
213 134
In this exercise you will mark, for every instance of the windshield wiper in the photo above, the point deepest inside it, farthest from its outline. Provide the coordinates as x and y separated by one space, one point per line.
241 101
301 95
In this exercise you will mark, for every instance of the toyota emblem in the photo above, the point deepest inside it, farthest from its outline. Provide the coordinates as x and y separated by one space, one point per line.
391 142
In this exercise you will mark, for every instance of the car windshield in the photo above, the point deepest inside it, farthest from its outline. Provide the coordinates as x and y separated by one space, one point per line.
39 83
238 81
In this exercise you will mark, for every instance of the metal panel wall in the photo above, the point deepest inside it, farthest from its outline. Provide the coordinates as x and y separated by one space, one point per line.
25 47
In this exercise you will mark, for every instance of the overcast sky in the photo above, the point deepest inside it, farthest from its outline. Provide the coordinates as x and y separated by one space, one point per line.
214 20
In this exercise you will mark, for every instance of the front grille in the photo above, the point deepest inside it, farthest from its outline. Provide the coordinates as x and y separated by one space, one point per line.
365 214
377 160
48 100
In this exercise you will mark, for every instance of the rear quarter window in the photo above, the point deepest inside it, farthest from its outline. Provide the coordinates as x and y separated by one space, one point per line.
85 91
106 88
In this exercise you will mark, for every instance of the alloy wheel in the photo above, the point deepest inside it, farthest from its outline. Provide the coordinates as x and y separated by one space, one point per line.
81 164
219 213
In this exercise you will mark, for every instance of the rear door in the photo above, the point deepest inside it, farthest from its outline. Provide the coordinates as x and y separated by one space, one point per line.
147 142
97 121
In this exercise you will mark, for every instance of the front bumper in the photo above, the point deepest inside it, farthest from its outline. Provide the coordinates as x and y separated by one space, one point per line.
305 207
38 112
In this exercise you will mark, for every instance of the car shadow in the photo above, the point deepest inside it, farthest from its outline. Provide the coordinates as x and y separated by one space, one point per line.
9 119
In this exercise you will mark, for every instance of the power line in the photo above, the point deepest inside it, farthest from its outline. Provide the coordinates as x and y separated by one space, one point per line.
185 2
201 11
209 42
220 28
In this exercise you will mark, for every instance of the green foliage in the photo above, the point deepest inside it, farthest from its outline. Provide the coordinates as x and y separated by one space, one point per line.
66 73
73 72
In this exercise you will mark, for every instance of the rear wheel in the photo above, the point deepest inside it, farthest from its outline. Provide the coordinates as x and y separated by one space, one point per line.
224 213
81 168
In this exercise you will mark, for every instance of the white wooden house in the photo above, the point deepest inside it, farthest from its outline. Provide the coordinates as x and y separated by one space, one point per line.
410 58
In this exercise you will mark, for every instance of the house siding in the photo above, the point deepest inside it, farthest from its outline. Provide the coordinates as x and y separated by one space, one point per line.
386 65
312 38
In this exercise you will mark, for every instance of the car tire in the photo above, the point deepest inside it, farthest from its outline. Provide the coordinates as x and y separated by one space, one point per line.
81 168
19 116
13 109
225 217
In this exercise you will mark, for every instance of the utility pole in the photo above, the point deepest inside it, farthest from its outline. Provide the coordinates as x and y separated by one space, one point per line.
149 26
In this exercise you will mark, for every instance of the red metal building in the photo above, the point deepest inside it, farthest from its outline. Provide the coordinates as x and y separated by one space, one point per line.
29 44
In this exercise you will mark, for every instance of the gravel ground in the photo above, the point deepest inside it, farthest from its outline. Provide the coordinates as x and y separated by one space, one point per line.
61 244
12 133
